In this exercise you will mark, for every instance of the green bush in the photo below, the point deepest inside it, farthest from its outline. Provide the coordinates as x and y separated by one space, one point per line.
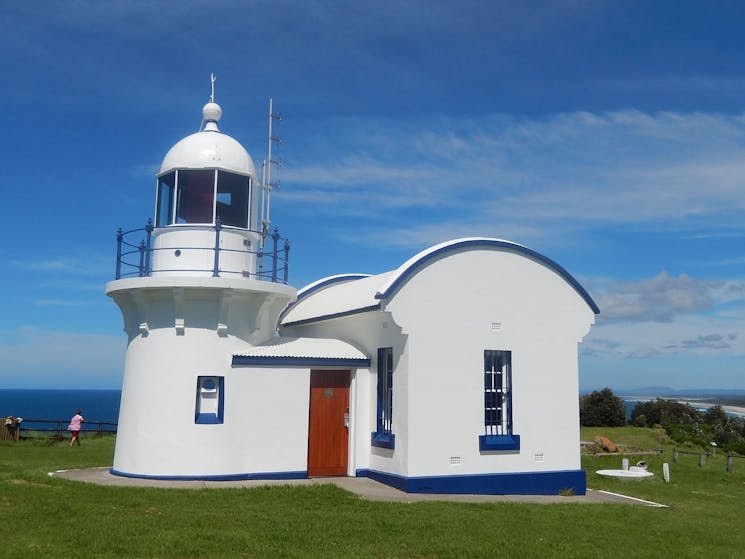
665 413
602 408
687 426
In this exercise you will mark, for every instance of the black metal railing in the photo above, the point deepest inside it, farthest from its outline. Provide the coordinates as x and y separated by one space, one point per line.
54 427
134 259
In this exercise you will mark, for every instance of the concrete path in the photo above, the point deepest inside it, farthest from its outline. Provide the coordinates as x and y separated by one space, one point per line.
362 486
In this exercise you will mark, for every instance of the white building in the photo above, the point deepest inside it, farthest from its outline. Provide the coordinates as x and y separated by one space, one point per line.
454 373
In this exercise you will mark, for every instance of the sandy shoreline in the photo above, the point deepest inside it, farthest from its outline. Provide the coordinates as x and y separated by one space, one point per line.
699 404
736 410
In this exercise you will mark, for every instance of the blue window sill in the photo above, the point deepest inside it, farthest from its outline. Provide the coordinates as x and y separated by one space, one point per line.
499 442
208 419
383 440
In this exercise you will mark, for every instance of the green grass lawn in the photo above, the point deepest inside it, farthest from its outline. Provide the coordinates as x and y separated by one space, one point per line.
51 517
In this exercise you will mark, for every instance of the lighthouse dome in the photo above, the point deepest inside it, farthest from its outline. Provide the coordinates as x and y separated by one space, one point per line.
209 149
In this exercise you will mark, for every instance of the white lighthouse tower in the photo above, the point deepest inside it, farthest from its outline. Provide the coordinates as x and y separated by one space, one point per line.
193 292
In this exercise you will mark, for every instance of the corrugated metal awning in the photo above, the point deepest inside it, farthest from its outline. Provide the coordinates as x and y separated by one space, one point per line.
303 352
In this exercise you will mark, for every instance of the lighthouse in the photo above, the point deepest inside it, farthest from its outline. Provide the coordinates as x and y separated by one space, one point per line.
204 279
456 372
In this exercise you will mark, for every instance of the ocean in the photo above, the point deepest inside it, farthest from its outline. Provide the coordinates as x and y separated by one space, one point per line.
96 405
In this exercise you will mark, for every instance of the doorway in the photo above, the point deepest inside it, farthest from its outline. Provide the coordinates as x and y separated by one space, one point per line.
328 425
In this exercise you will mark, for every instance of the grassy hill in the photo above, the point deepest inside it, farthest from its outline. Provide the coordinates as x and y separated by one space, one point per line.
51 517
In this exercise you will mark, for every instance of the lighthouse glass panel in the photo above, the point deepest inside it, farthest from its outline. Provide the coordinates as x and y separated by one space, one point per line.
232 199
195 196
166 190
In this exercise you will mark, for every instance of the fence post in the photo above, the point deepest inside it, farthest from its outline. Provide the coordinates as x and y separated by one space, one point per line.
59 428
141 248
216 267
702 459
119 236
275 238
148 239
730 464
287 260
676 455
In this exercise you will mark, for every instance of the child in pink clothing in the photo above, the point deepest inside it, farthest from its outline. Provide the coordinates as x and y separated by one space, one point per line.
76 424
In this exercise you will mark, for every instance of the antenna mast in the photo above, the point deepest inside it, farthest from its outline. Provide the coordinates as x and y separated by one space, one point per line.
268 165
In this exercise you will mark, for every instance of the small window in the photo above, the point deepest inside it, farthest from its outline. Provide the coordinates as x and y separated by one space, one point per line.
210 400
383 436
195 196
166 188
498 433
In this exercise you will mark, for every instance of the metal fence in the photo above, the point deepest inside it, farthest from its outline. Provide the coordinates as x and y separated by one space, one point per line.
134 255
55 427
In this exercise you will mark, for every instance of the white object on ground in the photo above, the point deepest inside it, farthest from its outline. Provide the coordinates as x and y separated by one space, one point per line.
634 472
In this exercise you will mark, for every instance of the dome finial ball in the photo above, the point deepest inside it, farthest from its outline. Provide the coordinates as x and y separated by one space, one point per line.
211 112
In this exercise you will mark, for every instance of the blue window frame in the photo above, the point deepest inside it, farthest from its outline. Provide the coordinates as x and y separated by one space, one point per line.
498 434
383 436
210 402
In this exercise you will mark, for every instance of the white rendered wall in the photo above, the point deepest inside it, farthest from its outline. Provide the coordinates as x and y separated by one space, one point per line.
190 250
369 331
452 311
183 328
439 324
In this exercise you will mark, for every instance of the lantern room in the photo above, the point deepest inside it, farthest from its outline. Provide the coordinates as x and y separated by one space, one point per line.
206 177
211 212
207 199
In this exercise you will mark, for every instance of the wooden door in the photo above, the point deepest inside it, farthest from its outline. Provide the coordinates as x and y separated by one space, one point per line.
328 429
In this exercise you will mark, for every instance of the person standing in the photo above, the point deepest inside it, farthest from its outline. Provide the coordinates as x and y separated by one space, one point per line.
76 424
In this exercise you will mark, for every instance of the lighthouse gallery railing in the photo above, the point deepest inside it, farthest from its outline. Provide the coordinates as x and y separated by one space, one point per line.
134 259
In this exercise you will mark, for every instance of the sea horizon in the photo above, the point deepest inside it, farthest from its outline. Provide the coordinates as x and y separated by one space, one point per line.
60 404
102 404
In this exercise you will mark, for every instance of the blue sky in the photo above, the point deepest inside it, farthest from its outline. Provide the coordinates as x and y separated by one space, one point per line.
609 136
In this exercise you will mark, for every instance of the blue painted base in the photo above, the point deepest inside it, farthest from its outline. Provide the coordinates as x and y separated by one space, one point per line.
521 483
226 477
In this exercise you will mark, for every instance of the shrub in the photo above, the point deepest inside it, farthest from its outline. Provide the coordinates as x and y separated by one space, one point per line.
602 408
665 413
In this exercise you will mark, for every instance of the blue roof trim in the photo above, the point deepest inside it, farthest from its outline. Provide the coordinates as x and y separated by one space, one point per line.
330 316
301 361
342 278
332 280
488 243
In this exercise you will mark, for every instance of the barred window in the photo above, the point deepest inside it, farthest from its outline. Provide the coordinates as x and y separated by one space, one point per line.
498 433
383 436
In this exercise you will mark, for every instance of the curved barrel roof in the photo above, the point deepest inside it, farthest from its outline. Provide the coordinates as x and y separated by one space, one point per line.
353 293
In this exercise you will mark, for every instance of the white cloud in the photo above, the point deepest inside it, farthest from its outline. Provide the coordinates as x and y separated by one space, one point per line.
560 174
68 303
656 299
89 265
31 355
665 316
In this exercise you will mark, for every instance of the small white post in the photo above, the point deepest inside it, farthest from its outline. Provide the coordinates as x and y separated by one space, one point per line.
666 472
625 464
